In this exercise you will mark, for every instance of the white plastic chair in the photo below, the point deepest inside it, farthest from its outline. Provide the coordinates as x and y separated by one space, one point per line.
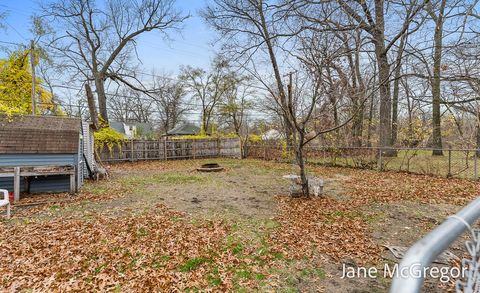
5 201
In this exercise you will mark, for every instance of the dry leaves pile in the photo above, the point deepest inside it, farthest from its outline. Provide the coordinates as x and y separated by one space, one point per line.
323 225
336 229
367 186
150 252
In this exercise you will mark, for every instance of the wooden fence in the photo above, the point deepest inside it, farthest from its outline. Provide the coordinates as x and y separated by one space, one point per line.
172 149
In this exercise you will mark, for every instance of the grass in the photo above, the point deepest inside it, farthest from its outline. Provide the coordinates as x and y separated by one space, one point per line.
414 161
314 272
164 178
161 261
192 264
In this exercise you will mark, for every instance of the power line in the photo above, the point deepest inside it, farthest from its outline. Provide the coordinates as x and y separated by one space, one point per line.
123 96
113 108
12 43
15 30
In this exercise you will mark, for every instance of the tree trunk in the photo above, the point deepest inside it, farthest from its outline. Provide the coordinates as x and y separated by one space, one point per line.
385 127
204 122
436 94
102 98
92 107
357 127
370 121
276 72
301 164
396 89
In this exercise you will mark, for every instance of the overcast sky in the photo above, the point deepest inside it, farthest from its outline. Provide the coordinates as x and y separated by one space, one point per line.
193 48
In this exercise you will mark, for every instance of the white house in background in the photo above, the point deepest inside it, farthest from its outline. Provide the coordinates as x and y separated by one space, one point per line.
132 130
272 134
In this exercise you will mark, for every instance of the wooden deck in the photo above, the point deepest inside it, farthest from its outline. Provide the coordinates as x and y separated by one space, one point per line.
32 171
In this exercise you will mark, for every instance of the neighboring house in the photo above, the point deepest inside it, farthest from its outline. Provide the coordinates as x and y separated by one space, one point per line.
272 134
44 141
133 130
184 129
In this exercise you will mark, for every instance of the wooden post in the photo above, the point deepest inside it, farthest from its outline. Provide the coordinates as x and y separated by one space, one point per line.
193 148
16 184
72 182
131 150
218 147
241 148
165 149
145 149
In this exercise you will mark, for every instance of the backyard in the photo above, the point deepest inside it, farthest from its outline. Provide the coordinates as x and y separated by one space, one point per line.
161 225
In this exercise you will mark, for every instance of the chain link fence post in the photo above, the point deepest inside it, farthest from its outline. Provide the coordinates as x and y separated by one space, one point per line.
380 163
449 174
475 170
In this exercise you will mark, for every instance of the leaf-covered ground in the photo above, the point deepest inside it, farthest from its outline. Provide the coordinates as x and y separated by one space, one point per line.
156 226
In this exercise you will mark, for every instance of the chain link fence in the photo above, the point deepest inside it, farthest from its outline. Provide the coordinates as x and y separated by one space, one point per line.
458 163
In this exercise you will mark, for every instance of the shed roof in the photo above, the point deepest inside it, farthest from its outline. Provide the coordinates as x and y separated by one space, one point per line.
118 126
39 135
184 129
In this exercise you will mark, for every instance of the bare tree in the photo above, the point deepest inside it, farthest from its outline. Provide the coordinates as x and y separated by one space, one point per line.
95 40
253 30
208 88
170 98
438 15
127 105
250 28
370 17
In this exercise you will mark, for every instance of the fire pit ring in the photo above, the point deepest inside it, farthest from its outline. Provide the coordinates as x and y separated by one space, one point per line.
210 167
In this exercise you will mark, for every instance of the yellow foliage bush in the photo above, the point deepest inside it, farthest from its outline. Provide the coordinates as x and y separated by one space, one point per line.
16 87
108 137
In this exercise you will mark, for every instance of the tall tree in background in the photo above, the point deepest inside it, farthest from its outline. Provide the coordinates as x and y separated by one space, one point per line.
127 105
170 98
369 16
208 88
236 103
251 28
95 40
436 11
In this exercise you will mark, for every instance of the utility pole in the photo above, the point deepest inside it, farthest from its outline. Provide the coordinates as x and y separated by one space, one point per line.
32 62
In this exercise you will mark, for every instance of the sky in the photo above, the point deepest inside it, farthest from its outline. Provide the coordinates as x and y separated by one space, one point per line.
192 47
